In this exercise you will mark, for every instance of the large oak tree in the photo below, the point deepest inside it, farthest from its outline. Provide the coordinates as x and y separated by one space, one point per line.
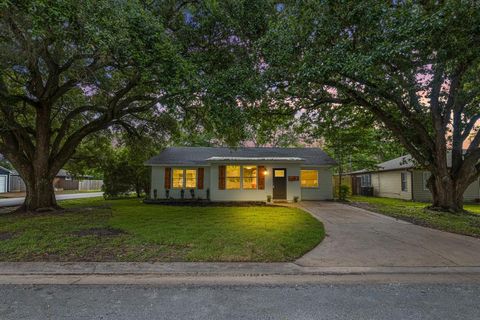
71 68
414 65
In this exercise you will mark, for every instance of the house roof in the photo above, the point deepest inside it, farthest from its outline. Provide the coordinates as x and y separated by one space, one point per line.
204 155
400 163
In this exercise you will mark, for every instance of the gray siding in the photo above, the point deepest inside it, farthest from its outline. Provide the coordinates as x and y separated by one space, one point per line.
323 192
325 186
388 184
423 194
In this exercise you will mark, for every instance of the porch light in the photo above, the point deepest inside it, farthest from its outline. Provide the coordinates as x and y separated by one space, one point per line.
265 173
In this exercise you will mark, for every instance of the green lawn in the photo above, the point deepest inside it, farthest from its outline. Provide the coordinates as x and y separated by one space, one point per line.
468 224
128 230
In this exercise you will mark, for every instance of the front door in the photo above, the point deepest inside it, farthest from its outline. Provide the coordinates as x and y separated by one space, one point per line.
280 184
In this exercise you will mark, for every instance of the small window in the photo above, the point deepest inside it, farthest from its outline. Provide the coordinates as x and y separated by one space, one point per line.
366 180
309 178
404 181
191 178
249 177
279 173
177 178
426 176
233 177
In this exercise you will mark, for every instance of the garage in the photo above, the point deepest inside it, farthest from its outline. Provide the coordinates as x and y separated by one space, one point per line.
4 174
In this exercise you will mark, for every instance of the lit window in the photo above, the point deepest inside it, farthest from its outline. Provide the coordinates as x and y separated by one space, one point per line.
233 177
191 178
177 178
309 178
279 173
249 177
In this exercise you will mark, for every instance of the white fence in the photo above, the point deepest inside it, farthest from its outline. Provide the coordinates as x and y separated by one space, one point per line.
16 184
90 185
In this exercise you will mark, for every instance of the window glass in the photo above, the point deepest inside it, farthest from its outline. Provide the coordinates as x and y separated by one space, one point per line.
366 180
190 178
249 177
309 178
404 181
279 173
233 177
177 178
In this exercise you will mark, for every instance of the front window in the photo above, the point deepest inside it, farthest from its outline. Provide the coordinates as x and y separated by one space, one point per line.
191 178
309 178
249 177
404 181
177 178
233 177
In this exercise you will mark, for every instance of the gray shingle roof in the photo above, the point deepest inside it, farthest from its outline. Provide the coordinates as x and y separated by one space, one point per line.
400 163
199 155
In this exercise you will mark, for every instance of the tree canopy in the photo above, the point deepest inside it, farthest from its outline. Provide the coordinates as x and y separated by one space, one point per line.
413 65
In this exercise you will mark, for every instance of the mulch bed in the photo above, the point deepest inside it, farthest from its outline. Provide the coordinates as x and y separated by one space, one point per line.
206 203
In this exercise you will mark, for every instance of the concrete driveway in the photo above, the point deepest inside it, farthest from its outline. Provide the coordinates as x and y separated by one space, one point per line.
18 201
360 238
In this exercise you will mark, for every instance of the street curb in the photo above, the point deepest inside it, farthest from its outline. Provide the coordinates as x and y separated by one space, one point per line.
216 269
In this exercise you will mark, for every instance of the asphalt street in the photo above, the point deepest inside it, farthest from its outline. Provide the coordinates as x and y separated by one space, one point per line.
18 201
321 301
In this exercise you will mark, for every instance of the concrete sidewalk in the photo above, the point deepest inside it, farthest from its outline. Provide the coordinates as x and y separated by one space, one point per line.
11 202
181 273
210 268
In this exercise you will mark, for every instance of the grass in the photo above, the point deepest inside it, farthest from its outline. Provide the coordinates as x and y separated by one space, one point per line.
128 230
415 212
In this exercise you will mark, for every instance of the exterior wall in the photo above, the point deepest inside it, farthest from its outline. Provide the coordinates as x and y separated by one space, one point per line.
323 192
158 183
325 186
388 184
422 194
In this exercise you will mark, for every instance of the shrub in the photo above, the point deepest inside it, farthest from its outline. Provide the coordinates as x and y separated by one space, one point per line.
343 192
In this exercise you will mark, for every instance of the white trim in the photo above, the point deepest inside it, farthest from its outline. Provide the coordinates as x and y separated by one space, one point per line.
287 159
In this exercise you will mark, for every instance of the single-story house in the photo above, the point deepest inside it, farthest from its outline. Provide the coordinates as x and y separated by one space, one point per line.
401 178
241 174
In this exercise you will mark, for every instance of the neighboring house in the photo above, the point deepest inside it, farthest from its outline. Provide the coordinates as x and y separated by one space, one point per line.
62 181
4 179
242 174
401 178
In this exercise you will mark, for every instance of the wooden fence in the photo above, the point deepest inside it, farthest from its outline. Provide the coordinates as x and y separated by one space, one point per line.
90 184
346 181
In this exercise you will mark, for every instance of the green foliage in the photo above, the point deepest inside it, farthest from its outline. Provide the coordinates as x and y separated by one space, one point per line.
343 192
123 165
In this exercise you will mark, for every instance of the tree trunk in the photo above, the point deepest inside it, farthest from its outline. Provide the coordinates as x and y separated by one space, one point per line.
447 194
40 194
